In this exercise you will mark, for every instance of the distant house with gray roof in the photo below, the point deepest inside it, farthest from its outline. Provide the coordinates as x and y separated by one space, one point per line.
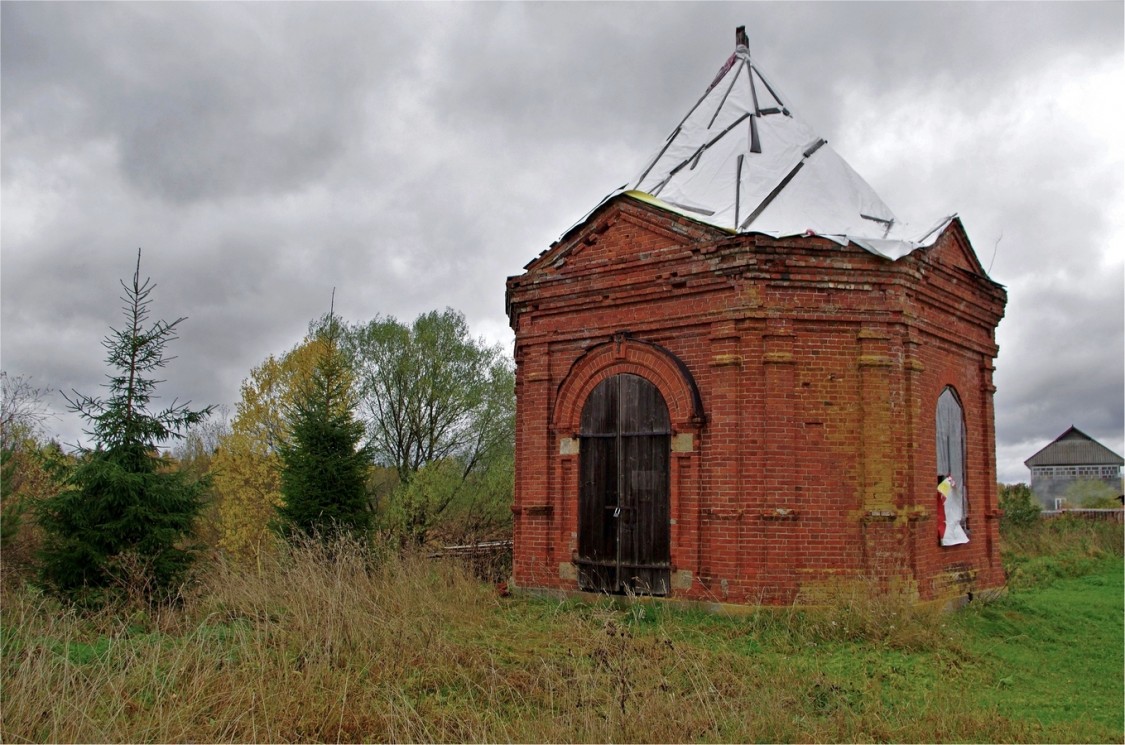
1072 458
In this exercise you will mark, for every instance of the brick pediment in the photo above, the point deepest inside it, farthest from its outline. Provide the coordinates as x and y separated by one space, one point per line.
625 231
954 249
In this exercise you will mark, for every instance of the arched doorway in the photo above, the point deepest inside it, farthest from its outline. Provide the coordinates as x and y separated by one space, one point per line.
623 520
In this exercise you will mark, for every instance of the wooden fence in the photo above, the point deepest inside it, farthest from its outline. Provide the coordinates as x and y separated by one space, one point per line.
1113 516
489 560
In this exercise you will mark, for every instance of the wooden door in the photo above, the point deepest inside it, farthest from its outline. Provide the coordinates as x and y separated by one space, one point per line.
623 519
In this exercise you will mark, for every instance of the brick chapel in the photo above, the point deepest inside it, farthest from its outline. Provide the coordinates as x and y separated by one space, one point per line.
741 380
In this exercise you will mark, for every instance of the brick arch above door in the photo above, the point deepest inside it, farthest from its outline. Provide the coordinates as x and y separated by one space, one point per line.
624 354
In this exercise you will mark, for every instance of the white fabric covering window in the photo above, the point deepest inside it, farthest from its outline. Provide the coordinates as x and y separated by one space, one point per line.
951 464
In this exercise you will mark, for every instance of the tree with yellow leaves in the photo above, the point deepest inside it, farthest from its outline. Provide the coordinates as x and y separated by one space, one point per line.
247 465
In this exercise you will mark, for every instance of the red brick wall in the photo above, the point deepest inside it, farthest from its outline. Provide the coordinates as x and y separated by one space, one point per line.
803 379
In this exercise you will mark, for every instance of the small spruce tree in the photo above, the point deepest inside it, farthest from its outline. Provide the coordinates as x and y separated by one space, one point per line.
324 466
120 523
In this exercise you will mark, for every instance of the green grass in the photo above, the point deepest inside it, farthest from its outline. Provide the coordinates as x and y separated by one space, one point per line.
302 649
1055 655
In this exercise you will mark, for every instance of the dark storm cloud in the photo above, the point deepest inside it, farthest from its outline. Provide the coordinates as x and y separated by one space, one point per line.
1060 364
413 155
201 101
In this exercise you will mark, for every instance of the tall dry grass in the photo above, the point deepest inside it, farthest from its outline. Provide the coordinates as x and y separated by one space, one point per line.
1066 546
342 644
311 644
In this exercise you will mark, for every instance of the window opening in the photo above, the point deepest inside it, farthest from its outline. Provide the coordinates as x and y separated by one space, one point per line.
952 497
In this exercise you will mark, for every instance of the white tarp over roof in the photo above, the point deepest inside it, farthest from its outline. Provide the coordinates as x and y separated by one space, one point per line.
741 160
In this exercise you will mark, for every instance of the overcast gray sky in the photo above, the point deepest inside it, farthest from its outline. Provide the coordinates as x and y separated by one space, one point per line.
414 155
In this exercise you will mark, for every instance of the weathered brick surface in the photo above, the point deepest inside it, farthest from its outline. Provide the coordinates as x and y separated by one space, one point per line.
802 381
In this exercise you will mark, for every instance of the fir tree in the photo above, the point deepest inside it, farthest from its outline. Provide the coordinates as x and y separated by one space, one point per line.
324 468
122 519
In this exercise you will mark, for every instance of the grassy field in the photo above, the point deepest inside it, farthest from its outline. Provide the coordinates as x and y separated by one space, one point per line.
414 650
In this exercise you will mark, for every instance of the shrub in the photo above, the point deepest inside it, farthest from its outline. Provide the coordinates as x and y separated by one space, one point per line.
1018 504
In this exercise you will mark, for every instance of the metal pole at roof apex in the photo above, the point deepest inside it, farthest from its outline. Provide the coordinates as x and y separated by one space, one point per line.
740 38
